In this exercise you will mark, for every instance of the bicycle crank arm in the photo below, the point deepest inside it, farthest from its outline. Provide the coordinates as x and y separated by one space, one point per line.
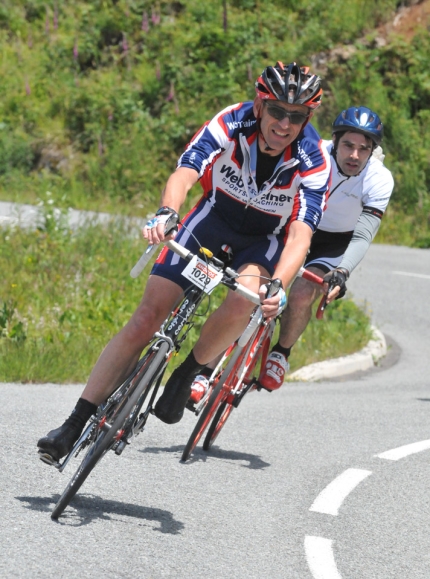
237 398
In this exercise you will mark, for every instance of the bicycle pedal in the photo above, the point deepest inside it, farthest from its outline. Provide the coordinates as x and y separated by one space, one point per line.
120 446
48 459
237 398
236 401
190 406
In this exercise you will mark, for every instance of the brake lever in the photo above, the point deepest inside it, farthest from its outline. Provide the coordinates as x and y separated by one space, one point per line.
273 288
323 303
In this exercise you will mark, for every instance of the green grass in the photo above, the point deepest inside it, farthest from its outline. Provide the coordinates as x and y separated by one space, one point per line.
400 228
345 329
98 99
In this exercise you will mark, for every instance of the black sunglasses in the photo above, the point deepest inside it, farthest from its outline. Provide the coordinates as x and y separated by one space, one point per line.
280 113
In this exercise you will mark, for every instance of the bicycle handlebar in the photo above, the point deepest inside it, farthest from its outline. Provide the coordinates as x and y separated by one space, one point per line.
230 273
143 261
188 255
170 226
306 274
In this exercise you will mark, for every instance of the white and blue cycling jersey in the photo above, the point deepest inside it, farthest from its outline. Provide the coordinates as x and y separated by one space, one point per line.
253 221
224 153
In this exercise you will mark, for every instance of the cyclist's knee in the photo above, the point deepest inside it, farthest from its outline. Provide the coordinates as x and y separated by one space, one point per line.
237 307
302 295
145 320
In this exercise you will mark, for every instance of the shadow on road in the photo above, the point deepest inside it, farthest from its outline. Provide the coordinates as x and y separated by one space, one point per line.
85 509
199 455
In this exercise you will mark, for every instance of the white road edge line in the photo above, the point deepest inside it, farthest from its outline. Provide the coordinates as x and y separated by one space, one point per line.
320 558
331 498
421 275
406 450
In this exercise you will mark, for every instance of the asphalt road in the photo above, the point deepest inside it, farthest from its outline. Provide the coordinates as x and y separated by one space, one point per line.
300 483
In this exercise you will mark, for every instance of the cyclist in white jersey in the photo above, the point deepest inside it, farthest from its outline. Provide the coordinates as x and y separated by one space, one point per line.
360 191
359 194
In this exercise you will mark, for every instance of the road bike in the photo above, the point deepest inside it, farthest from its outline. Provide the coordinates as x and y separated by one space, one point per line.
237 374
125 413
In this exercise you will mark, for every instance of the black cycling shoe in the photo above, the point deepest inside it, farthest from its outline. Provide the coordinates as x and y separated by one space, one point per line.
57 443
171 404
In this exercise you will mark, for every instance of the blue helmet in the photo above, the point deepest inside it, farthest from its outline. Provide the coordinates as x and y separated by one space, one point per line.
360 120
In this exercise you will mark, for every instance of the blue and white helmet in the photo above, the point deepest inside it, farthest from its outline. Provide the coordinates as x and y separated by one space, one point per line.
360 120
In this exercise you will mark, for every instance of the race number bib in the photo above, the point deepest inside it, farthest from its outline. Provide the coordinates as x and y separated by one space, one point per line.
203 275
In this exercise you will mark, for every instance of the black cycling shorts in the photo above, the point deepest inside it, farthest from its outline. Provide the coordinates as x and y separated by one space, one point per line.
205 228
327 249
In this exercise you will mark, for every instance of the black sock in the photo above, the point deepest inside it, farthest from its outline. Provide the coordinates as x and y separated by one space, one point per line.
282 350
189 368
81 414
206 371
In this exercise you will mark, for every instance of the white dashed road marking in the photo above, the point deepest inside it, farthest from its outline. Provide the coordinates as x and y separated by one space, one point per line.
318 550
402 451
320 558
409 274
331 498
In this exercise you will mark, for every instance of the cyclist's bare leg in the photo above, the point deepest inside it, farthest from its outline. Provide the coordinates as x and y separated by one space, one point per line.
298 312
226 324
123 351
113 365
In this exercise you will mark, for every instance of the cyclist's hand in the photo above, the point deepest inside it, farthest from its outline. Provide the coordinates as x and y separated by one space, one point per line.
335 284
274 305
154 230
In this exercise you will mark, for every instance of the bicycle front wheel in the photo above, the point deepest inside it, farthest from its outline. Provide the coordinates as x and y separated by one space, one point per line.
218 422
109 428
218 396
257 349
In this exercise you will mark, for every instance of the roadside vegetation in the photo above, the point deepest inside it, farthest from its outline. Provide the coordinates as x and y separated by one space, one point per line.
99 98
65 293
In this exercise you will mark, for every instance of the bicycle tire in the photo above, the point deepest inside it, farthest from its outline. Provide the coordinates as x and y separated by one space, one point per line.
220 418
105 439
259 344
218 395
220 392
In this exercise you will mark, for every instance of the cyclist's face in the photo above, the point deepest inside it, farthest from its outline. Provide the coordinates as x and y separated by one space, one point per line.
353 152
279 132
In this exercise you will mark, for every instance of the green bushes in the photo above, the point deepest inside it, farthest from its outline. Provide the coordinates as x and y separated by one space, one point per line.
393 80
117 88
345 329
16 153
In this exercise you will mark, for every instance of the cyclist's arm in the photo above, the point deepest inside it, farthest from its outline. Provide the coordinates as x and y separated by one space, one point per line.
367 227
377 189
173 196
291 260
177 187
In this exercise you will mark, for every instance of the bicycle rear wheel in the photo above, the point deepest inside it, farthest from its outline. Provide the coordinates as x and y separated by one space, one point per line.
109 428
219 395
